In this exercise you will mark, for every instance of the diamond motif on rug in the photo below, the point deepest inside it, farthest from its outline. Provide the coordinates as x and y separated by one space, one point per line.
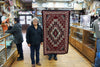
55 33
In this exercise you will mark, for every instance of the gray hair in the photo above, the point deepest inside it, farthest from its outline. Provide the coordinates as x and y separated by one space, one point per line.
35 18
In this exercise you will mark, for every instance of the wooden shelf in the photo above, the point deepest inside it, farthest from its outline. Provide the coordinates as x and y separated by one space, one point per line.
89 53
79 33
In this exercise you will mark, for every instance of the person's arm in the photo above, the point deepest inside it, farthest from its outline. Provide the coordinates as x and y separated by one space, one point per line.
94 26
14 28
28 37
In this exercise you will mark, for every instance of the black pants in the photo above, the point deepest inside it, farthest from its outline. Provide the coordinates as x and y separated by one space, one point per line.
20 50
33 49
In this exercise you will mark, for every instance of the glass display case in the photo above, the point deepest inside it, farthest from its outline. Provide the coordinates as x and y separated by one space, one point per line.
78 34
7 48
84 41
89 39
2 53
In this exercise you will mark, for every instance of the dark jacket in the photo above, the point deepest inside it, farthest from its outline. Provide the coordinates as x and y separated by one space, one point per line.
34 36
16 30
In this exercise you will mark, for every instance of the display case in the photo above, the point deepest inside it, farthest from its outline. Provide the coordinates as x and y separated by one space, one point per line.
8 51
84 41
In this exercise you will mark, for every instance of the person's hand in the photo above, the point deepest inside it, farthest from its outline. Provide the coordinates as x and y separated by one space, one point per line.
29 45
41 43
9 16
8 24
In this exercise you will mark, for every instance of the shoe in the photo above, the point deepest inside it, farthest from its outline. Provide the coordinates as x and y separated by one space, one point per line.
33 65
49 58
39 64
55 58
19 59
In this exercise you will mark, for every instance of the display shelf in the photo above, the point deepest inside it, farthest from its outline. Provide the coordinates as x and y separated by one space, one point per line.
92 38
2 57
10 52
77 39
83 40
79 33
11 47
2 52
1 48
7 50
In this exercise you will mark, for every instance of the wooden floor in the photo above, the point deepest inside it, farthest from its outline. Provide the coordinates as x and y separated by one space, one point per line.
72 59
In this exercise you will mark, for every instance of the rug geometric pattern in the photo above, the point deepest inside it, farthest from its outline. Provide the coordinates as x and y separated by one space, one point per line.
56 31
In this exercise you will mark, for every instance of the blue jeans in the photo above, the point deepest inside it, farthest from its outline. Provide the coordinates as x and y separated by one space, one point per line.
33 49
97 59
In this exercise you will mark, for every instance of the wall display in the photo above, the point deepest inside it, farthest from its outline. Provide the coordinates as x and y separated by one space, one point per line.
52 5
85 20
35 5
98 11
28 19
20 12
40 21
11 2
74 17
77 6
69 5
33 12
44 4
22 19
18 3
96 4
24 12
12 8
39 13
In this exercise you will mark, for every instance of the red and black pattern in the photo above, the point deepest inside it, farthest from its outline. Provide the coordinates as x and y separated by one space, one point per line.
56 31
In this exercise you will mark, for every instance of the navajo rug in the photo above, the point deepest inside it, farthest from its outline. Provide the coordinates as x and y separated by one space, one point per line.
56 31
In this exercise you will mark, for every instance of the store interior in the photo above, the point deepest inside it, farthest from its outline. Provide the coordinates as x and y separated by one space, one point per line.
82 42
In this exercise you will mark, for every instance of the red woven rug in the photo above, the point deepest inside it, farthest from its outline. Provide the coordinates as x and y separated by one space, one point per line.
56 31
